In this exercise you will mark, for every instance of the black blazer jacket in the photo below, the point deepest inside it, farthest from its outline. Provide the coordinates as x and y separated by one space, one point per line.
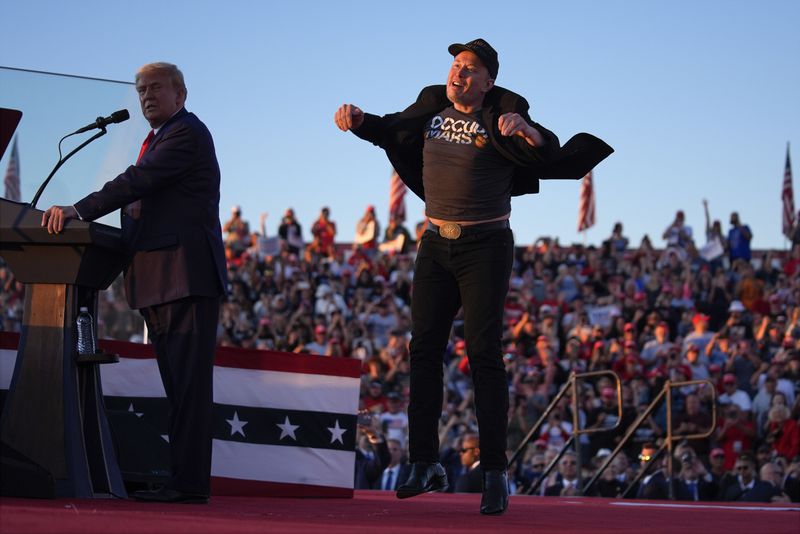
175 242
401 135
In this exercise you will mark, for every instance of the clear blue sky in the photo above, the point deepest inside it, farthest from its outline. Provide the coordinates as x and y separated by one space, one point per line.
698 97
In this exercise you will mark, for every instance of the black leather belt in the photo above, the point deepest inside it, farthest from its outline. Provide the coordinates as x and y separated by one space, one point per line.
455 230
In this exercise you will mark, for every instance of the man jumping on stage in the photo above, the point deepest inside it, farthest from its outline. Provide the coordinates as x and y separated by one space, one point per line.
466 148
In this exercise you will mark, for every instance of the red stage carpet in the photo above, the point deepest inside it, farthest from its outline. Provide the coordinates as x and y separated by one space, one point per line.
381 512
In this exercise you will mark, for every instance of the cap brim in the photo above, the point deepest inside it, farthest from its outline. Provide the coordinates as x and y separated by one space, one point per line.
457 48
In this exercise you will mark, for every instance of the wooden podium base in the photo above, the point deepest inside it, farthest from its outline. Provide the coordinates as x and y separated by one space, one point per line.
53 429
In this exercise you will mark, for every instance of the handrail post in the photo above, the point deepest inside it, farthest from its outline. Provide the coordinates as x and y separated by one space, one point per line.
670 489
576 432
668 386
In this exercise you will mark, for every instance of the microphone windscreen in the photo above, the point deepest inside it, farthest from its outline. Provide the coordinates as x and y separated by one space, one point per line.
120 116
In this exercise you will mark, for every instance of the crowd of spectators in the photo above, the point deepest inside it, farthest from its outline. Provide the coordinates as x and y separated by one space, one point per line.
684 311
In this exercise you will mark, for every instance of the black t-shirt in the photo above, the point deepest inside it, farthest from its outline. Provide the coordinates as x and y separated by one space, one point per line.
464 176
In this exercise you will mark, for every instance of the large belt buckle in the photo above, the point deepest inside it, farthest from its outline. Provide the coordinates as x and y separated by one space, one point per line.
450 230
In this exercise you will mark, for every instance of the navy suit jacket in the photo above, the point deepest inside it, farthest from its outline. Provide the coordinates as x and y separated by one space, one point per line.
760 492
402 477
369 469
706 491
175 243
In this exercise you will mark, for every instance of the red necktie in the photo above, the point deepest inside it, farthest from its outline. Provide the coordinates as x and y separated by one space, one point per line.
145 144
134 208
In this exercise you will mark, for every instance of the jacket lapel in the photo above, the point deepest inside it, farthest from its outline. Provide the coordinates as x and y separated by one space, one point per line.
164 129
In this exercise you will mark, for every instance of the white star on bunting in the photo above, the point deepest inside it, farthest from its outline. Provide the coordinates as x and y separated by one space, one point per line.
134 412
336 432
237 426
287 429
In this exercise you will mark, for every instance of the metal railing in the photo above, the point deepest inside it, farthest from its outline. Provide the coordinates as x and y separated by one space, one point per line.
571 387
664 394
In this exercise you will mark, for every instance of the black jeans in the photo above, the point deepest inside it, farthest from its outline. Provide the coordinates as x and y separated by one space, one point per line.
472 271
184 334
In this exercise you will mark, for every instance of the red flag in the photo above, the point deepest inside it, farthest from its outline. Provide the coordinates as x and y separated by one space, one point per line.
586 206
12 175
397 194
787 196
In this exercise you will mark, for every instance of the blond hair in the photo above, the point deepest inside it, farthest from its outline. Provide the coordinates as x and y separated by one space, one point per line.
174 73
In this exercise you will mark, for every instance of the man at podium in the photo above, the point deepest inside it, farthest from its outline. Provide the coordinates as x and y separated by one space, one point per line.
176 272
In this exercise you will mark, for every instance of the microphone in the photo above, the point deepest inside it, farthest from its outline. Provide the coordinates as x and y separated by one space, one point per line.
102 122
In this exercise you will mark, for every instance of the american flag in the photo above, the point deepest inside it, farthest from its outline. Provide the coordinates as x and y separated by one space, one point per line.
284 424
586 207
397 194
787 196
12 175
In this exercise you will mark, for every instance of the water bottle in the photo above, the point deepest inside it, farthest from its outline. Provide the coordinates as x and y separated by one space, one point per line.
86 343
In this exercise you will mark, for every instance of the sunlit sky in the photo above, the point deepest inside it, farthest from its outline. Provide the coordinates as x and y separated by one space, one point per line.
698 97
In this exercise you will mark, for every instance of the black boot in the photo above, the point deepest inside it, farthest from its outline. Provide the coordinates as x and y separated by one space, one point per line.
424 477
495 492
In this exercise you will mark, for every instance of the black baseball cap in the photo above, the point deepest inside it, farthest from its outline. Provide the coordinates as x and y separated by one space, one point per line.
483 50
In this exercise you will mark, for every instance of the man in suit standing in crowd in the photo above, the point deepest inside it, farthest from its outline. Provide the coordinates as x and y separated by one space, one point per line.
396 473
566 483
176 274
469 479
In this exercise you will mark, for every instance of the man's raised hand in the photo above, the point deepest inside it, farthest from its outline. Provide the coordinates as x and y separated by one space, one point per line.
348 117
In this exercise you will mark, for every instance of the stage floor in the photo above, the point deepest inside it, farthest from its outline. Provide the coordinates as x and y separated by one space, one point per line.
382 512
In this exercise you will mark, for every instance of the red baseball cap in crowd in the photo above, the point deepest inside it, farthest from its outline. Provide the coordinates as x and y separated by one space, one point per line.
608 392
729 378
698 317
541 442
714 368
320 329
717 452
628 327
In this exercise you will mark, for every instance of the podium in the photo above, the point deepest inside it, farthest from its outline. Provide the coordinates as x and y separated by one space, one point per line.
54 435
